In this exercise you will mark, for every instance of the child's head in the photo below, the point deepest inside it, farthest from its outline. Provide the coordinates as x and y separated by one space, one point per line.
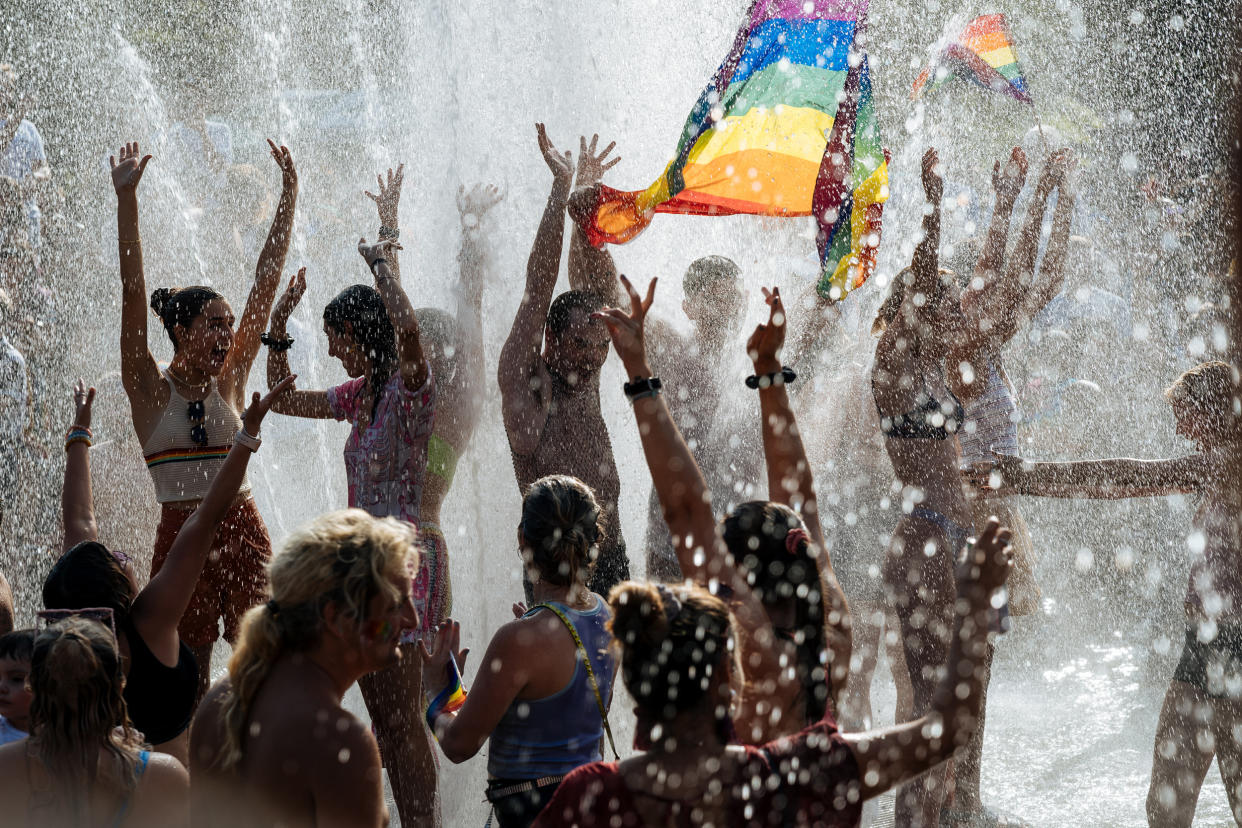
1203 403
16 649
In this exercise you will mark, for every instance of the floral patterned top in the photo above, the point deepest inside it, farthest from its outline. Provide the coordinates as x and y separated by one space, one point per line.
386 457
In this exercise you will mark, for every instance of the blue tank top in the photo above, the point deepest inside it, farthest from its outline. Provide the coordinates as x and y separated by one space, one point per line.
553 735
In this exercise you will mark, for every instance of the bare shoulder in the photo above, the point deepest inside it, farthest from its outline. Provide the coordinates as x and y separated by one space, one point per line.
163 794
205 735
165 771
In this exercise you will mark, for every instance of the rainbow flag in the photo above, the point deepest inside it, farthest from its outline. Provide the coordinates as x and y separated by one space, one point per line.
786 127
984 54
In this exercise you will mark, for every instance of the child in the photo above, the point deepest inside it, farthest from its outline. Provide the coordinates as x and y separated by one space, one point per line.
16 649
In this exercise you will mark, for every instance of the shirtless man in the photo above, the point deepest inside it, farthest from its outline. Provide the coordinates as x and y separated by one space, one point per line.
550 364
692 370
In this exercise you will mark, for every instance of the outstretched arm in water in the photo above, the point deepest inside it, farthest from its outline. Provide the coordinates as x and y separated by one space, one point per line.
790 482
684 495
592 269
294 403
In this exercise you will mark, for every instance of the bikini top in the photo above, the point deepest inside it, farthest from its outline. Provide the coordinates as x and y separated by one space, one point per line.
930 419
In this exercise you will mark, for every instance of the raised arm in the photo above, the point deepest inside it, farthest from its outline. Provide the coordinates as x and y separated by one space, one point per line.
161 603
1047 283
77 503
140 374
894 755
682 489
592 269
474 262
410 356
294 403
979 300
926 261
387 198
519 358
267 277
790 480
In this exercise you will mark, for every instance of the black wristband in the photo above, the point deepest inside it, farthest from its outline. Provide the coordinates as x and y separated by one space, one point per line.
642 387
276 344
781 377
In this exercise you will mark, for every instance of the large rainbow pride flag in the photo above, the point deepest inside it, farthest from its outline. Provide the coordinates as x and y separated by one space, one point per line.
786 127
984 54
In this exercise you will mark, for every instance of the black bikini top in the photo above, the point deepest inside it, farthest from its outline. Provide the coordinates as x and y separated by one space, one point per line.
930 420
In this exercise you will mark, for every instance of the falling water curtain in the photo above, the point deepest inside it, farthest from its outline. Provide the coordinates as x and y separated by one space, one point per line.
786 127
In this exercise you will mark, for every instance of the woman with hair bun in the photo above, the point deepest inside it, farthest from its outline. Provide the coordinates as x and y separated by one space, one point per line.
84 763
272 743
544 697
679 661
185 416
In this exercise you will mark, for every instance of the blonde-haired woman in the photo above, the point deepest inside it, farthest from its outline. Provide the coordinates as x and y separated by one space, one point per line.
272 743
79 767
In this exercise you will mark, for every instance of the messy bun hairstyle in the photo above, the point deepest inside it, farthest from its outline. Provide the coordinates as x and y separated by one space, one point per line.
77 708
561 529
181 306
769 542
673 641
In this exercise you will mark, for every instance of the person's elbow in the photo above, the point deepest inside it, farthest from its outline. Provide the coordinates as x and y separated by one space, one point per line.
457 749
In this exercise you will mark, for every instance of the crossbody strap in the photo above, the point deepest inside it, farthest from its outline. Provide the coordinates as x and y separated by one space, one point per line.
586 661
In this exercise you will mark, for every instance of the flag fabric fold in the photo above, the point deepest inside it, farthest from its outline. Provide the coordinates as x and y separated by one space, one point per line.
984 54
786 127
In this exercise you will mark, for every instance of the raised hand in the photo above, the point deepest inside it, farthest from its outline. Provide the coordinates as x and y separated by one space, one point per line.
985 565
933 183
388 196
764 345
626 329
1007 181
444 645
476 201
252 418
373 252
127 172
289 299
83 399
284 160
1056 168
560 163
591 167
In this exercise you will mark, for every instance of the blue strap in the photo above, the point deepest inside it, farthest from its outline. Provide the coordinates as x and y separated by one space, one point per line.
143 757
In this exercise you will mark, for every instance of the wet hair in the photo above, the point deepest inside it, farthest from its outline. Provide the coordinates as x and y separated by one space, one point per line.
440 328
17 645
708 270
757 535
561 527
77 708
181 306
673 639
363 308
563 306
88 576
1210 389
346 558
891 305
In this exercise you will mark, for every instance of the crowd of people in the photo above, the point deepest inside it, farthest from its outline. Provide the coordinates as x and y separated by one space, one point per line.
747 649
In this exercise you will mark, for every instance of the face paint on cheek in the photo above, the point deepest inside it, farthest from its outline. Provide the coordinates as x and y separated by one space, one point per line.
376 630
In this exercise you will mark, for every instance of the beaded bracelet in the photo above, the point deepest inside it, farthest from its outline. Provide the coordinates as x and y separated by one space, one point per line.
78 434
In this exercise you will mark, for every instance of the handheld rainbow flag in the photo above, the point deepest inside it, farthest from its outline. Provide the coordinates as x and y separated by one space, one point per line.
984 54
786 127
448 700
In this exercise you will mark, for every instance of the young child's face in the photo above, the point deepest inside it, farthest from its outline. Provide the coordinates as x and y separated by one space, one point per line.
15 696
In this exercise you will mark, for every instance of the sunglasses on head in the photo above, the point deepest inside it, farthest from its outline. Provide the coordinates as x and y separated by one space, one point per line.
103 615
197 414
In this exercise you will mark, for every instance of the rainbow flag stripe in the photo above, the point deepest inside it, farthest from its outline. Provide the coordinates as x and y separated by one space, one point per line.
450 699
984 54
756 141
182 455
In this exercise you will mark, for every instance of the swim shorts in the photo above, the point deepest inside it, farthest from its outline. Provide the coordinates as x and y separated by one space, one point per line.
1214 667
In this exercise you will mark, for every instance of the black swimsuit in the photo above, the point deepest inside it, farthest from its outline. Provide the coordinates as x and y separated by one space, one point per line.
921 423
160 698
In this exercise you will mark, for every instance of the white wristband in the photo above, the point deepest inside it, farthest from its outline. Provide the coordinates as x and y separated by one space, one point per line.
242 438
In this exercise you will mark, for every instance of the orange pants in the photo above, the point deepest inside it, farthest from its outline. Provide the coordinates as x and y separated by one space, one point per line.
234 578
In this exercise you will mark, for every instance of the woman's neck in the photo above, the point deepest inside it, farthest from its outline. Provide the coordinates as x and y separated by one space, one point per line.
187 374
576 594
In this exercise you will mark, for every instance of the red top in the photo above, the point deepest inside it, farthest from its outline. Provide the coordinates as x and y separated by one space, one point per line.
809 779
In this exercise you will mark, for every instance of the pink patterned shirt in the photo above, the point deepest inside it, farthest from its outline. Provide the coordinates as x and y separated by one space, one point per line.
386 459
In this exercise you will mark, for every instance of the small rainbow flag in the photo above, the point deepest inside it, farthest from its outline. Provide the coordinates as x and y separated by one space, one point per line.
984 54
786 127
448 700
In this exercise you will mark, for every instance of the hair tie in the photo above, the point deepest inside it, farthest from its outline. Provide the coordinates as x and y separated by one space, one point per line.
672 604
795 537
273 608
